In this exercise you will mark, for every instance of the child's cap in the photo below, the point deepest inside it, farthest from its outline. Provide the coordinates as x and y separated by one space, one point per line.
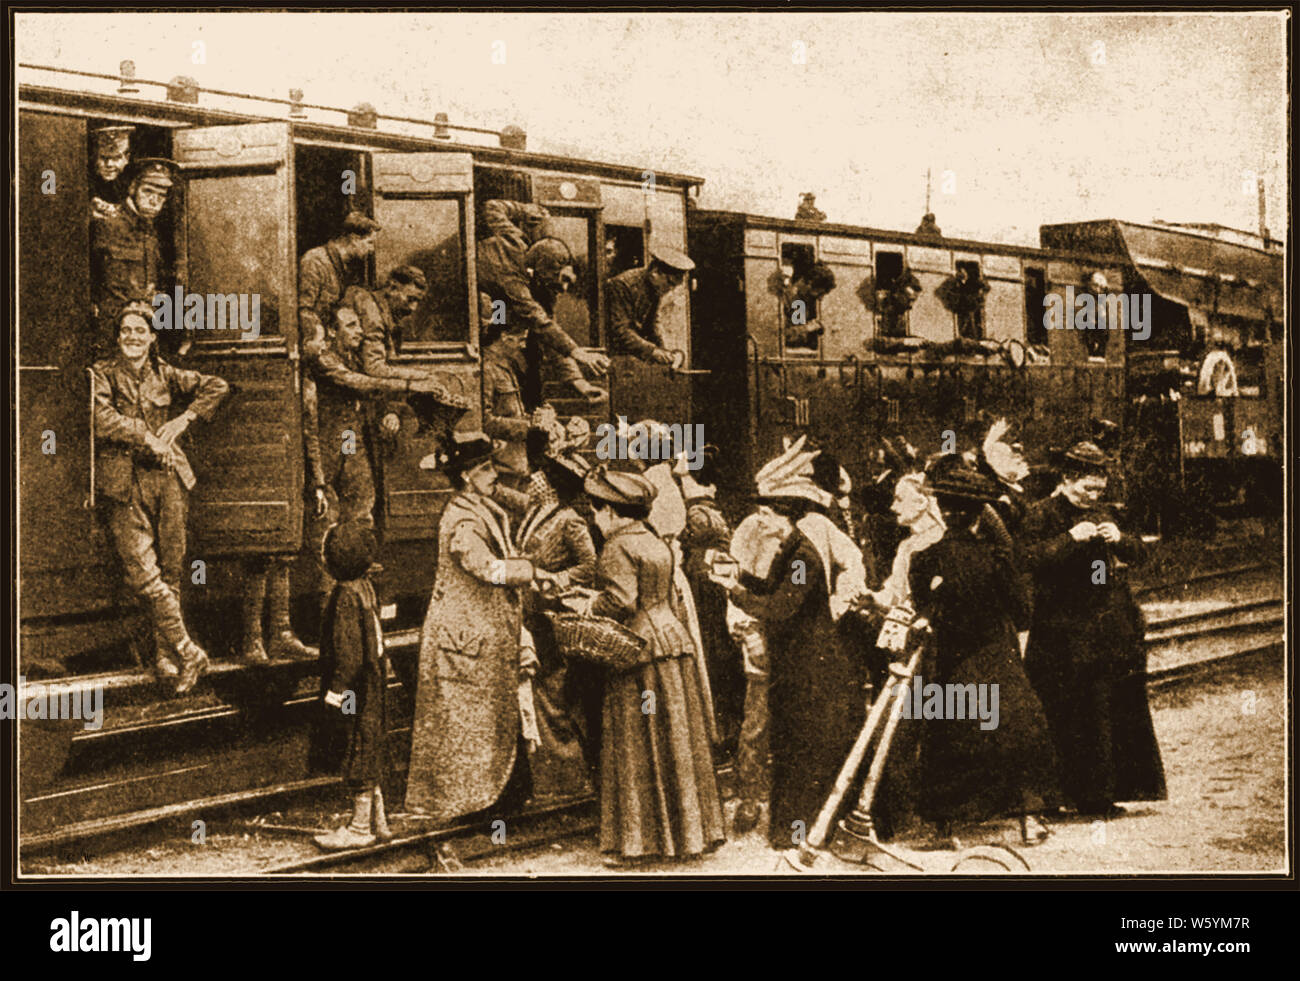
350 550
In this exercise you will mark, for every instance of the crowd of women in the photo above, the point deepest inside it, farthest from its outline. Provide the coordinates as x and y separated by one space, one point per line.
759 645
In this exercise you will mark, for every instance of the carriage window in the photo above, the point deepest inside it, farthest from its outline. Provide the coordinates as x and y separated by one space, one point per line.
970 300
427 232
806 282
575 311
1035 305
624 248
889 276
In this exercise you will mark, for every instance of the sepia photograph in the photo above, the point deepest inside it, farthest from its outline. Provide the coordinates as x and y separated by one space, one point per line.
609 446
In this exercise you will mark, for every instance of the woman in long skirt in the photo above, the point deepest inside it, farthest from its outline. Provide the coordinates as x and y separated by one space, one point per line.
971 771
658 793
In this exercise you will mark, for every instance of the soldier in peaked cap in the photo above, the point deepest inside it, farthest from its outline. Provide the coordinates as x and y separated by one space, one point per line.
1086 654
632 304
126 261
111 152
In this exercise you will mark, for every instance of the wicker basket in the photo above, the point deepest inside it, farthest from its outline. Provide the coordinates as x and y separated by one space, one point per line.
599 640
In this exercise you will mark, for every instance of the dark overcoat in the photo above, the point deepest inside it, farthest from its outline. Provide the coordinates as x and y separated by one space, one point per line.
351 741
1087 659
968 590
815 694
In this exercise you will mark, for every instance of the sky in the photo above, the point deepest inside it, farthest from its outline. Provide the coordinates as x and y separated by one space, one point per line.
1022 119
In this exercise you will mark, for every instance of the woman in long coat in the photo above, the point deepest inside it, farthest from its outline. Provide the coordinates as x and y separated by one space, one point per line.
555 537
658 792
968 589
466 729
1085 655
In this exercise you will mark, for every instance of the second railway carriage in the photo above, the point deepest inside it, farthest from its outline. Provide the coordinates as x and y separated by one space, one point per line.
969 341
257 192
1206 387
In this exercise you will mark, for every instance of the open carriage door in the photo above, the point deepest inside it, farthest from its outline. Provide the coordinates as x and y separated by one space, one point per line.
424 205
236 250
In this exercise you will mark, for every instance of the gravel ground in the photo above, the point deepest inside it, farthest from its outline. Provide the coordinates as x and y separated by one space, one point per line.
1223 746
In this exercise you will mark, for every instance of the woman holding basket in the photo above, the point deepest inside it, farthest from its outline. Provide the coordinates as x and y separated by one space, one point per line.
658 794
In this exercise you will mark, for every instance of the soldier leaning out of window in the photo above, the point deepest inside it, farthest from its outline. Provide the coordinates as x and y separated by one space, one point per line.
799 304
143 477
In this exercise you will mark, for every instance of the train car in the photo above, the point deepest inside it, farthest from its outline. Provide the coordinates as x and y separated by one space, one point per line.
262 184
922 335
1206 387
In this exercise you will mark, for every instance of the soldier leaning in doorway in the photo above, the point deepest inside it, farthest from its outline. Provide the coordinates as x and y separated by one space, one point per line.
632 304
503 272
126 262
324 274
142 476
111 152
799 298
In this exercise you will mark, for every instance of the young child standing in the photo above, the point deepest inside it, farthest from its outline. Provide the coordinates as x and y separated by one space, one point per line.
354 671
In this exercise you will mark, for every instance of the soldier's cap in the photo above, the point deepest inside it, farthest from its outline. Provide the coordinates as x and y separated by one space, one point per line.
156 172
136 308
1088 455
548 256
350 550
532 214
409 275
672 258
357 223
112 138
617 487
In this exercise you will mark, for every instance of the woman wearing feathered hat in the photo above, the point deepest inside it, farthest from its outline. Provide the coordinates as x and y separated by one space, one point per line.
1085 654
815 697
658 793
475 655
965 586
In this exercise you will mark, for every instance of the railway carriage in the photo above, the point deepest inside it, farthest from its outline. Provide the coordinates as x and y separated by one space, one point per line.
972 343
258 191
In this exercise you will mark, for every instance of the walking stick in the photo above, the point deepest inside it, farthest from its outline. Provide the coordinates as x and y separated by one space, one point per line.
805 856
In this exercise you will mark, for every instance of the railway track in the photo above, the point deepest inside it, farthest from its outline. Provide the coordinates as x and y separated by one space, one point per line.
1182 647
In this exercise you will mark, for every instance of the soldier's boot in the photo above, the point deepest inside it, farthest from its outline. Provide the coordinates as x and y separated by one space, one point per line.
163 664
354 835
284 642
251 602
379 817
194 662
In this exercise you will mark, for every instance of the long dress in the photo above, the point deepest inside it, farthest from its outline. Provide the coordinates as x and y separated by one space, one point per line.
556 538
1087 659
465 732
658 791
968 590
816 702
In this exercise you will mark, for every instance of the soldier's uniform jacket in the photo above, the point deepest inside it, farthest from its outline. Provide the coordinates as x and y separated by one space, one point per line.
130 406
502 269
504 415
339 397
322 279
632 308
378 329
125 260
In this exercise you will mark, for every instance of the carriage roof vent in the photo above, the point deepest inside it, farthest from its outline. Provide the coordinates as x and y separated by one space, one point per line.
514 138
182 88
127 72
441 130
363 116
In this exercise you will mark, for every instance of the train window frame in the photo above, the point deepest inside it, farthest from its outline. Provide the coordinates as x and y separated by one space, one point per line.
427 180
1035 284
595 265
902 326
808 256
